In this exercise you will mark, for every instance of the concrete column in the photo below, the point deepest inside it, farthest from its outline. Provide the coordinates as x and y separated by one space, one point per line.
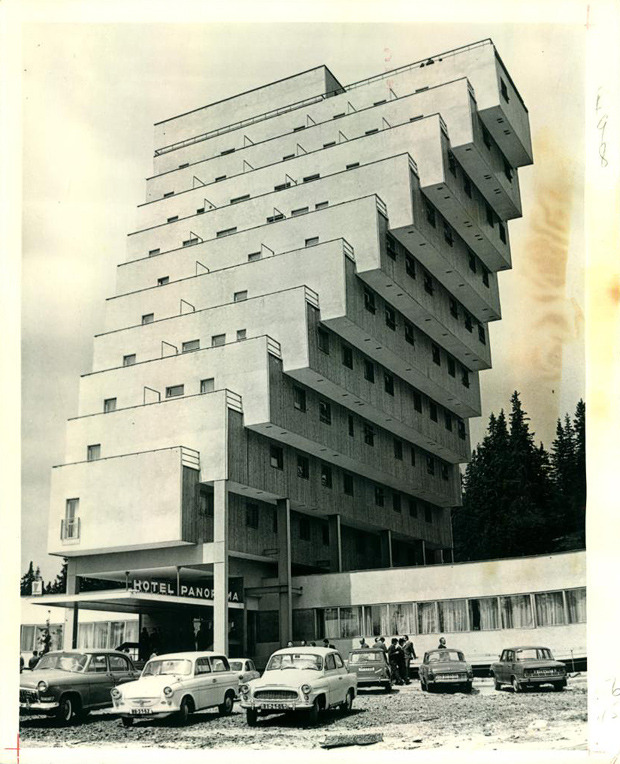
423 551
438 556
220 566
283 509
70 632
335 544
386 548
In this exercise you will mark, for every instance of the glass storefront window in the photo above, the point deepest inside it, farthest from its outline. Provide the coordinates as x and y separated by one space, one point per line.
427 618
101 634
549 608
452 615
483 614
375 621
576 605
350 619
303 625
330 616
85 634
516 612
401 618
27 639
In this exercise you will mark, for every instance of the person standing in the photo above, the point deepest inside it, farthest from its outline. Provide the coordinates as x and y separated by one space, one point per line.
409 655
34 659
363 644
402 661
393 656
382 644
326 643
442 644
144 649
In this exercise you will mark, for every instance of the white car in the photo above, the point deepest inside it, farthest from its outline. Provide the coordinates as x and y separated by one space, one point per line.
178 683
308 679
245 668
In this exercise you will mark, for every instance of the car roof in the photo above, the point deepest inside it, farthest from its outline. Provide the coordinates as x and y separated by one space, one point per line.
306 649
188 655
84 651
444 650
366 650
240 659
527 647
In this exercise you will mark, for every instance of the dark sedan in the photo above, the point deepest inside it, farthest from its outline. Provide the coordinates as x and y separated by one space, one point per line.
445 668
372 668
528 667
69 683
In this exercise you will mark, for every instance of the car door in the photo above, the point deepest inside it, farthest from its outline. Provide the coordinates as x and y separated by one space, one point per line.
121 669
343 678
223 678
332 680
100 680
507 665
202 683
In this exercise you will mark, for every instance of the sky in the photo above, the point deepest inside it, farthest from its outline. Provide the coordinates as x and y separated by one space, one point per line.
91 94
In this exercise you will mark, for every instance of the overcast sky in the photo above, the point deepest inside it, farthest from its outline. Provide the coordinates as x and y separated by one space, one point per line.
91 95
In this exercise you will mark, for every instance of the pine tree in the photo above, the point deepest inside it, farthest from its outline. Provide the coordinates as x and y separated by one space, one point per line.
25 586
59 585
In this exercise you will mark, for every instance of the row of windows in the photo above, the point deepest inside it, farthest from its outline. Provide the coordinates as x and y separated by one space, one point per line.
518 611
240 296
217 340
172 391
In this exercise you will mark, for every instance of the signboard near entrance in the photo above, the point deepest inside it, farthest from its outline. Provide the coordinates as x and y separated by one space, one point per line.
194 588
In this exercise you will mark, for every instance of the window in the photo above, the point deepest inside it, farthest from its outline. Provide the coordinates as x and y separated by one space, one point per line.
410 266
323 340
452 616
454 308
308 178
465 377
154 252
109 404
326 476
430 465
447 234
486 137
148 318
489 214
240 296
119 664
206 506
219 178
467 185
502 231
347 484
507 170
276 457
396 503
472 261
353 166
321 205
483 614
300 211
576 605
98 664
428 284
288 156
93 452
253 257
207 385
388 383
129 360
376 620
390 317
436 355
225 232
461 428
398 449
251 515
485 277
329 144
409 335
369 435
451 366
325 412
304 528
379 496
297 129
427 618
469 324
274 520
445 472
200 210
275 218
549 608
432 410
413 508
172 219
372 132
188 347
481 334
325 540
303 467
163 280
516 611
347 356
430 213
428 514
351 426
391 247
369 370
168 193
282 186
299 398
504 90
202 666
369 301
417 401
412 456
337 116
447 420
238 199
219 664
242 334
217 340
174 391
311 241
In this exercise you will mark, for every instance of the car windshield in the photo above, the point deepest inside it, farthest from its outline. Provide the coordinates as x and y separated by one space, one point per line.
445 656
533 654
74 662
282 661
366 657
236 665
179 666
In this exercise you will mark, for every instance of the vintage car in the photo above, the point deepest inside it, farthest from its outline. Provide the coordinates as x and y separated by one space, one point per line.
245 668
528 667
372 668
179 684
132 649
445 668
307 679
69 683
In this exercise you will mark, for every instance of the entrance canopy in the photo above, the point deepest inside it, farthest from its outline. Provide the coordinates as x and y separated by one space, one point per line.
126 601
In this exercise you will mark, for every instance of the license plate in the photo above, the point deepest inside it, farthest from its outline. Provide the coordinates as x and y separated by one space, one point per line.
141 711
449 678
278 706
367 669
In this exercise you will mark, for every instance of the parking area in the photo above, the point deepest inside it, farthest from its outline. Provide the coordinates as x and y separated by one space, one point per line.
407 718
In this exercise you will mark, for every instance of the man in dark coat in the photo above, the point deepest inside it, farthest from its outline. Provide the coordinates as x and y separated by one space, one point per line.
402 661
394 653
409 655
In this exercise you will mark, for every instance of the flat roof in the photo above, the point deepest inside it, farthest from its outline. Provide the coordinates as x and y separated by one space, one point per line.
125 601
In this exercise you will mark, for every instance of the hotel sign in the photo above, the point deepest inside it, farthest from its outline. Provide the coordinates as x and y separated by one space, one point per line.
195 588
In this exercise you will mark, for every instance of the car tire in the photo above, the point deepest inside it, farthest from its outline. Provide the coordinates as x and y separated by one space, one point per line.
496 684
312 715
183 713
251 717
347 705
387 687
127 721
516 685
559 686
467 687
423 685
65 710
227 706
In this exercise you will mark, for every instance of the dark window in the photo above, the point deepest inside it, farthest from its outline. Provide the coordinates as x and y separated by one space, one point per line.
412 456
174 390
428 514
251 515
391 247
282 186
325 412
489 214
329 144
428 283
300 211
379 496
353 166
276 457
452 163
481 334
226 151
219 178
486 137
148 318
461 426
238 199
311 241
351 426
409 335
303 467
154 252
173 219
502 231
304 528
321 205
430 213
241 334
163 280
485 277
390 317
93 452
396 502
447 234
432 410
369 301
410 266
469 324
388 383
472 261
454 308
275 218
200 210
297 129
323 340
288 156
445 473
451 367
436 355
430 465
227 232
417 401
109 405
507 170
413 508
347 484
398 449
190 346
448 420
347 356
308 178
299 398
326 476
465 378
467 185
369 370
369 435
504 90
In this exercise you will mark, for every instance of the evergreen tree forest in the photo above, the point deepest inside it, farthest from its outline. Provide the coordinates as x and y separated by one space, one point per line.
518 498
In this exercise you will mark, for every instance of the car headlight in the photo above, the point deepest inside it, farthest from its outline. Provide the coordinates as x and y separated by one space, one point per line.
115 693
306 689
42 686
168 691
244 689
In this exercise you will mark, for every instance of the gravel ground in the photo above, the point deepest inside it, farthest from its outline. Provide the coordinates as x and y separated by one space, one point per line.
407 718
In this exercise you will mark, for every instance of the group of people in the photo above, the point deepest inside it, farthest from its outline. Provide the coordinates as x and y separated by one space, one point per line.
44 640
400 653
